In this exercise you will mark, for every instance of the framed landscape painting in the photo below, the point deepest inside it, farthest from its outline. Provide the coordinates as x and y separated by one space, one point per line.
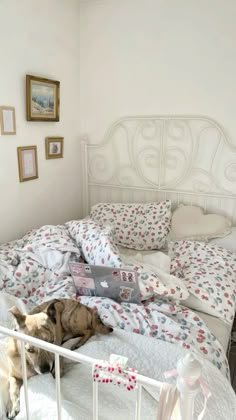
42 99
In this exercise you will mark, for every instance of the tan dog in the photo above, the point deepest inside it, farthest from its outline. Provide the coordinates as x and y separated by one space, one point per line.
55 321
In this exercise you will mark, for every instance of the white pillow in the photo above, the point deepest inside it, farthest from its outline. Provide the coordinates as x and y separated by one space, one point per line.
140 226
228 242
189 222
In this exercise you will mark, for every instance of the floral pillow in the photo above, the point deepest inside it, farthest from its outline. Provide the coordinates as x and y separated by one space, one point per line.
95 242
209 273
137 226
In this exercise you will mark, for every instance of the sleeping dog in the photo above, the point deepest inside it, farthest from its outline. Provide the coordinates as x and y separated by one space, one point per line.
55 321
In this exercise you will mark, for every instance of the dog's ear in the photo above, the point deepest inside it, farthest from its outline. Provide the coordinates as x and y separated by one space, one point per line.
54 310
51 312
20 318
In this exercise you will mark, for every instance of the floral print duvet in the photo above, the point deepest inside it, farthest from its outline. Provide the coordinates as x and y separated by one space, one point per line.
35 268
209 272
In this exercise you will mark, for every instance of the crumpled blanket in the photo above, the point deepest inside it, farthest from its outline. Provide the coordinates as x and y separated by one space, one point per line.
36 269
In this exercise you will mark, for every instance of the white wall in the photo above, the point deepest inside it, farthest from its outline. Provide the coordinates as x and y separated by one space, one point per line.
157 57
39 38
134 57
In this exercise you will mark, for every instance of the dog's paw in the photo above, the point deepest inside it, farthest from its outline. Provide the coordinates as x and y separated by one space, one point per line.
53 370
13 410
75 346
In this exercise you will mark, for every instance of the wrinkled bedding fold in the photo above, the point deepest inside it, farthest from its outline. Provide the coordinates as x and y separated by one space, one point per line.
36 269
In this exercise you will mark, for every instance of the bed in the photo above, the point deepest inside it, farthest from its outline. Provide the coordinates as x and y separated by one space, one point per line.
172 168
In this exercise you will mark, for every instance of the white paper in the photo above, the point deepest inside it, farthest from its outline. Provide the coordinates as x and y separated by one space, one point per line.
8 120
28 164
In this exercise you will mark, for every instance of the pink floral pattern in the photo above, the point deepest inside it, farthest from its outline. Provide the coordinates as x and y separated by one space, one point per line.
209 273
107 373
165 321
23 276
54 237
137 226
95 242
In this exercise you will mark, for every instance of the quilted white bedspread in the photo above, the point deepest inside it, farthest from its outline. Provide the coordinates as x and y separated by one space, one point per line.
149 356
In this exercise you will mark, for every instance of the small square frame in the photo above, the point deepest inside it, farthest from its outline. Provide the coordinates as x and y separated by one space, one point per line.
7 120
27 163
54 147
42 99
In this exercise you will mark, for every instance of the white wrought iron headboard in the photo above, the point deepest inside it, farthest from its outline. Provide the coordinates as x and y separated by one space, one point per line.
187 159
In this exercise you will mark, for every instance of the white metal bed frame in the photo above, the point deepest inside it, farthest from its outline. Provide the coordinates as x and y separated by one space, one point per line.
149 158
187 159
188 377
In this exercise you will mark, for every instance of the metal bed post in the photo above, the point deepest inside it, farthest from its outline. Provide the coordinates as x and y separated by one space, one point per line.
189 373
84 166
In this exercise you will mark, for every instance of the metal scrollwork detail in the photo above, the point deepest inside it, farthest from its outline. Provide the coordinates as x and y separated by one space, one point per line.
98 168
150 130
176 130
230 172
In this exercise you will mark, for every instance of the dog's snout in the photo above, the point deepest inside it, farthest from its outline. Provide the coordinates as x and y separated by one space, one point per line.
45 368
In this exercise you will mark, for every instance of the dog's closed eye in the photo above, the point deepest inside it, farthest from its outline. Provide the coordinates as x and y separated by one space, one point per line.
30 350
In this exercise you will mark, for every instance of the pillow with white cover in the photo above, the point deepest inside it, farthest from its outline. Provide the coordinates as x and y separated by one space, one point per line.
95 242
190 223
140 226
228 242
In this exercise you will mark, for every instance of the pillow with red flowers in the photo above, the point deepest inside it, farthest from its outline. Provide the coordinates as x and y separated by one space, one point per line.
140 226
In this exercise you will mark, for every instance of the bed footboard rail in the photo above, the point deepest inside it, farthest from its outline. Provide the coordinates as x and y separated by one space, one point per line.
187 372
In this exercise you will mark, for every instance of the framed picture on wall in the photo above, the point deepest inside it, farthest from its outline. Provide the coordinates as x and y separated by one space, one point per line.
42 99
27 163
7 120
54 147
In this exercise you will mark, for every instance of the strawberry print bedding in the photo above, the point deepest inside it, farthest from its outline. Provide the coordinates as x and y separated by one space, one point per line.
140 226
97 246
164 321
209 272
36 267
34 270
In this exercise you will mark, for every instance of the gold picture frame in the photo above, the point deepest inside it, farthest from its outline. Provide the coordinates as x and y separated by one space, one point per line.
7 120
27 163
54 147
42 99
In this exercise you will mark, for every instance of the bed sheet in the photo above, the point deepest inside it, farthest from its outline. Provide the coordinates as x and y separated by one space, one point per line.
228 241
